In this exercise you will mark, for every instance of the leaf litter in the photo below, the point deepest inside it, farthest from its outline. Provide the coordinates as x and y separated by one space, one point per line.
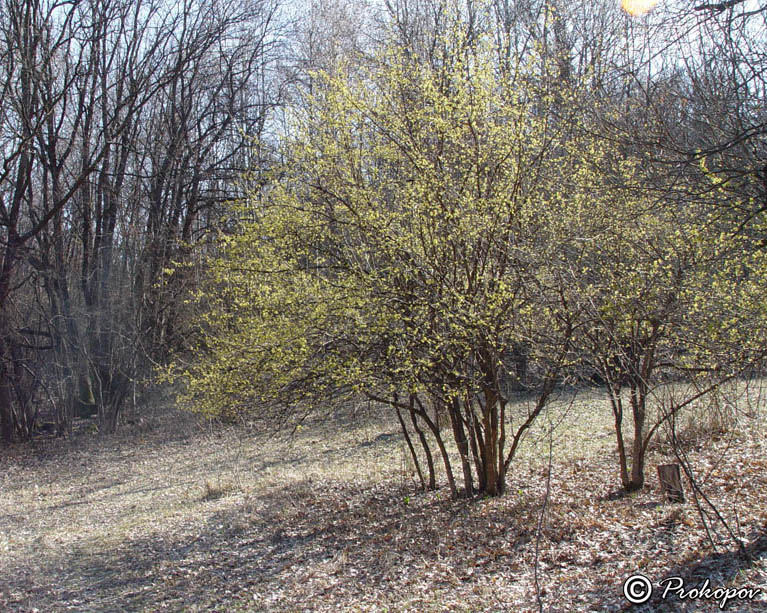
179 518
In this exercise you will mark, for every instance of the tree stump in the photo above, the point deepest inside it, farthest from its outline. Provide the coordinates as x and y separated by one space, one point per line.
671 482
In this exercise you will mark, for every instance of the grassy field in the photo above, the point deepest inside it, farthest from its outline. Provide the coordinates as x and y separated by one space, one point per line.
173 515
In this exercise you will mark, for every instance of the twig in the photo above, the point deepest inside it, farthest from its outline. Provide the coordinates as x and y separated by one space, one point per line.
721 6
698 493
539 528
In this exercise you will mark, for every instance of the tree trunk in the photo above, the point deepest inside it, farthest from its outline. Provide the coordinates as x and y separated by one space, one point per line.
7 263
617 406
637 466
463 447
490 454
424 445
6 408
445 457
413 454
471 421
638 447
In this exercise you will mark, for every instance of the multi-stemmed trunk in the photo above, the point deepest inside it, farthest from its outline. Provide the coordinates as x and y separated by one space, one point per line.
631 479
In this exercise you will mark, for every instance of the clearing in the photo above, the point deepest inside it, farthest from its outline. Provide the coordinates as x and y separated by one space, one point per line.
172 515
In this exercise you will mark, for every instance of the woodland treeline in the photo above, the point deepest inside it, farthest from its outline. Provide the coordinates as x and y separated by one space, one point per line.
433 205
125 128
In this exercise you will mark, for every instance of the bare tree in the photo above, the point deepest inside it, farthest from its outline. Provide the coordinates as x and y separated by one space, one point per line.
124 126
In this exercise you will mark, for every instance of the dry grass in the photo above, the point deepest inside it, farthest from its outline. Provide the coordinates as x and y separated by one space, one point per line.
184 518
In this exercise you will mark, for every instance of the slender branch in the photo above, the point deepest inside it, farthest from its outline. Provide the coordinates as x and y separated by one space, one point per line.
719 7
539 528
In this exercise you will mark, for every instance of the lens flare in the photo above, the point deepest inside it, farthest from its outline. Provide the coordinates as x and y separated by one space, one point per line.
638 7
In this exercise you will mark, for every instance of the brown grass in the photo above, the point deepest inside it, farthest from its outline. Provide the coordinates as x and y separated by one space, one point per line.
181 517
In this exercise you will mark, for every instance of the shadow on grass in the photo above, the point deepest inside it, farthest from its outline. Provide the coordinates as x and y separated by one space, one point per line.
289 549
721 569
329 546
333 546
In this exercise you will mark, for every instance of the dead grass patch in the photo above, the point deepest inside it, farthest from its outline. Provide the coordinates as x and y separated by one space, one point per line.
330 519
215 489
